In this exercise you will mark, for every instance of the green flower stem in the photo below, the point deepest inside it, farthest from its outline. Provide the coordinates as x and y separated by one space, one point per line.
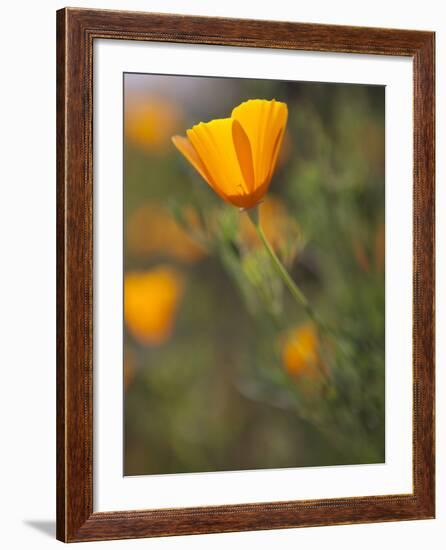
296 292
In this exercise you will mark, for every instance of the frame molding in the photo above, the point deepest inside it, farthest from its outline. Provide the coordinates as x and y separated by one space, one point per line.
76 31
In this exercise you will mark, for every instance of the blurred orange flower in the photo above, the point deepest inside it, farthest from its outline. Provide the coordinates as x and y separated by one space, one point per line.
237 156
150 121
151 229
281 230
151 300
300 352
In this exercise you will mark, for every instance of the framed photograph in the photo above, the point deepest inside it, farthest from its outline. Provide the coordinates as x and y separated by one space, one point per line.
245 275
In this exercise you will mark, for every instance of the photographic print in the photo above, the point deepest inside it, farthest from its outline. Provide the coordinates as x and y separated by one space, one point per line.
254 262
245 275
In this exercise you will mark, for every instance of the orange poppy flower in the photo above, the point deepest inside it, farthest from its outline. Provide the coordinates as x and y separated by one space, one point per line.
152 230
236 156
300 353
151 301
150 121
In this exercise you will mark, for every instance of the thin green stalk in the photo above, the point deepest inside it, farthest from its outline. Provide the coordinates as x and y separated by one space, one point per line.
295 291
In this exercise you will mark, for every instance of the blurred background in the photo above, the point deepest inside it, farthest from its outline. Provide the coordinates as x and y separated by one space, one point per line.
222 370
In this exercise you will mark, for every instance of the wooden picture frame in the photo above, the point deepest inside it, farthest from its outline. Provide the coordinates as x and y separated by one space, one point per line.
77 29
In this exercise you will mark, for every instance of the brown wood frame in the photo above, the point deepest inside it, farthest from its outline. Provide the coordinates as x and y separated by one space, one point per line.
76 31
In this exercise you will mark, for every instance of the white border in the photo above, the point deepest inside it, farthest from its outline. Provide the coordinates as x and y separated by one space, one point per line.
112 491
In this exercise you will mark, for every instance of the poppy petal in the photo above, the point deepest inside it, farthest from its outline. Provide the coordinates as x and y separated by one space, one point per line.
263 121
185 147
214 144
244 154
